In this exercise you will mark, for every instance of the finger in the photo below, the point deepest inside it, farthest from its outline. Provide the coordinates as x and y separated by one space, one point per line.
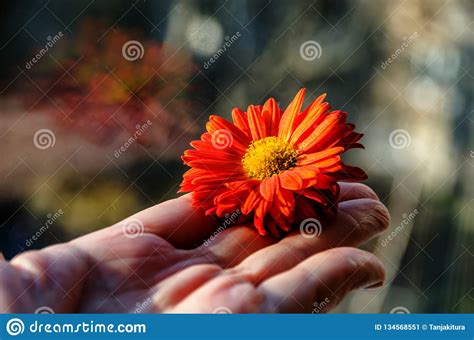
175 288
236 243
352 191
53 277
185 226
322 281
223 295
233 245
356 222
176 220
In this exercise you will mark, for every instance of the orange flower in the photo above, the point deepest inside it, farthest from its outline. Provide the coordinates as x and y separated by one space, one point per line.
277 167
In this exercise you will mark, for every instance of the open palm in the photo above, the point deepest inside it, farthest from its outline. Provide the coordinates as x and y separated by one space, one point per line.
169 269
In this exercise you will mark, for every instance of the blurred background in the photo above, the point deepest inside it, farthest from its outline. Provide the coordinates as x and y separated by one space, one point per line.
98 99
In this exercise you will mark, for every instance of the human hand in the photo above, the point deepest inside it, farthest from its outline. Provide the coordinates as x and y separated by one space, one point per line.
168 269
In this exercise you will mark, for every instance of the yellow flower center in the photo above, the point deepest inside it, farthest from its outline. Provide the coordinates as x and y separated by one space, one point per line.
268 156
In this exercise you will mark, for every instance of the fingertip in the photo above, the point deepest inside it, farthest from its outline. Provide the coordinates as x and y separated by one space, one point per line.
368 268
351 191
371 215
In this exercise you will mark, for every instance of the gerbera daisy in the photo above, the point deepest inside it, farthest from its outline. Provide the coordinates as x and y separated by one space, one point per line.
277 167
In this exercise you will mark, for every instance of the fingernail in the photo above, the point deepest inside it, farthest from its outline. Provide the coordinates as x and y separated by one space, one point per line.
374 286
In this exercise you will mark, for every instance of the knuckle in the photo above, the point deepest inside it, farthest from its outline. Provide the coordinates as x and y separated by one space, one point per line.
206 268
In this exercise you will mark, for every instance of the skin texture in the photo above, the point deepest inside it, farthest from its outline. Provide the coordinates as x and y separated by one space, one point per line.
168 269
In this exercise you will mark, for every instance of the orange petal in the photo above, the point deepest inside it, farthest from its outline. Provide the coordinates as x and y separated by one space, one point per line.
216 123
290 180
286 201
252 199
275 114
282 222
215 154
327 163
267 119
321 131
226 208
325 182
258 223
350 174
208 163
314 113
215 179
289 116
315 195
240 120
256 123
333 168
311 158
260 212
307 171
269 187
